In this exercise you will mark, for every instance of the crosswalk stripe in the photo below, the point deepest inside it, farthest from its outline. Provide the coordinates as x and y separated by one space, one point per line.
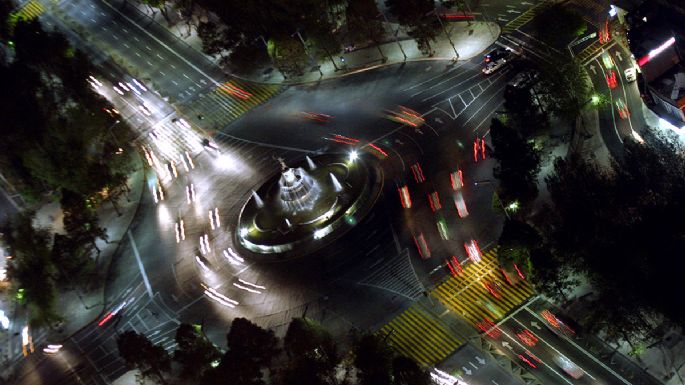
525 17
427 327
30 10
412 340
420 336
468 296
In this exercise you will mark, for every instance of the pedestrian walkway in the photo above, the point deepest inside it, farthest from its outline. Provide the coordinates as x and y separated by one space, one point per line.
481 291
29 11
229 100
525 17
469 39
589 52
421 336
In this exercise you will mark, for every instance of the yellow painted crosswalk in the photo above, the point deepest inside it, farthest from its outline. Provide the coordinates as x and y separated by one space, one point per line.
591 50
481 291
525 17
420 336
29 11
231 99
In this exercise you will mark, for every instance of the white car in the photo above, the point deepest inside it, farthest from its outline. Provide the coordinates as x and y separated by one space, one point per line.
630 74
494 66
568 367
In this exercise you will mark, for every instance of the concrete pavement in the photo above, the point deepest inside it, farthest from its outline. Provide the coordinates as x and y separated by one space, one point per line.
80 308
469 38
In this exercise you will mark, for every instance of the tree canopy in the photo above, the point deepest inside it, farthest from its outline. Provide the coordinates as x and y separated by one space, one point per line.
618 228
518 163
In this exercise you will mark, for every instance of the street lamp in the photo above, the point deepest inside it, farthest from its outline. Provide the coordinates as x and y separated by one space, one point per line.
306 50
395 34
434 12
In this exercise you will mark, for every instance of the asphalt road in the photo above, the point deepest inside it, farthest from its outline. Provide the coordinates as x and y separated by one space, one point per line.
159 281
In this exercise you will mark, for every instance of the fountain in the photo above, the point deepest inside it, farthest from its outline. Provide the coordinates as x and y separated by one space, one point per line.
299 210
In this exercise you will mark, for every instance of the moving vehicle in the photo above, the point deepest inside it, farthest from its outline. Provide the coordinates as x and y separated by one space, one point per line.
611 79
523 79
608 61
316 117
496 54
630 74
494 66
623 110
568 366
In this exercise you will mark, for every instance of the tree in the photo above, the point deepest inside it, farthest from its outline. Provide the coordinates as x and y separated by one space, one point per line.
518 163
324 40
363 24
516 242
250 350
405 371
565 87
557 25
195 353
31 270
246 55
289 56
137 351
312 354
212 37
607 226
420 19
159 4
373 358
186 10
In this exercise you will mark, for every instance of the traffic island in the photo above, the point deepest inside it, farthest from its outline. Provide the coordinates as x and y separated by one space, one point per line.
307 206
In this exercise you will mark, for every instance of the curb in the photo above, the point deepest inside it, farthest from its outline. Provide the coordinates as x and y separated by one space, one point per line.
116 250
361 68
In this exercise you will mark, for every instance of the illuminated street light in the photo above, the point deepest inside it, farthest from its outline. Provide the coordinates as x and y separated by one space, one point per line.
354 156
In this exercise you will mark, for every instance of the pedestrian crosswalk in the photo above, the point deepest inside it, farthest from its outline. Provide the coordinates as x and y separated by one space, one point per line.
396 275
29 11
482 292
590 51
229 100
525 17
421 336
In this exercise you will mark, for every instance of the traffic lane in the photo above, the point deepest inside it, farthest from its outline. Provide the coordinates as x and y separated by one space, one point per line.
502 11
504 339
173 74
630 91
548 350
608 127
592 365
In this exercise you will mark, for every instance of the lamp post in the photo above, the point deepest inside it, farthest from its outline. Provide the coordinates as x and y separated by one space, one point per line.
306 50
434 12
395 35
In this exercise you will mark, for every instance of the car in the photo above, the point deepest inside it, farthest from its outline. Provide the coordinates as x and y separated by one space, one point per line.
608 61
523 80
527 337
494 66
611 79
496 54
316 117
630 74
623 110
568 367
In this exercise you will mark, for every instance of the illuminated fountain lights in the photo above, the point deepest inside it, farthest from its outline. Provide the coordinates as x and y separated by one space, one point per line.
308 205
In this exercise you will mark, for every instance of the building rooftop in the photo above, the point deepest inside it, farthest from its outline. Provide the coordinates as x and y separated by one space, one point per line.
671 84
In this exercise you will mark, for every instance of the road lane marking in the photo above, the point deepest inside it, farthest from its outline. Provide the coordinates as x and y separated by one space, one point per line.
148 48
548 344
162 73
137 54
140 264
598 362
160 56
162 44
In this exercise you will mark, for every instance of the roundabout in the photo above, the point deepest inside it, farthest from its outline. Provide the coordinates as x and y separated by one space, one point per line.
308 205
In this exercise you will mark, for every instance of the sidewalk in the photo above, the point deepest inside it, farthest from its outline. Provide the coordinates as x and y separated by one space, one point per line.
469 41
81 308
